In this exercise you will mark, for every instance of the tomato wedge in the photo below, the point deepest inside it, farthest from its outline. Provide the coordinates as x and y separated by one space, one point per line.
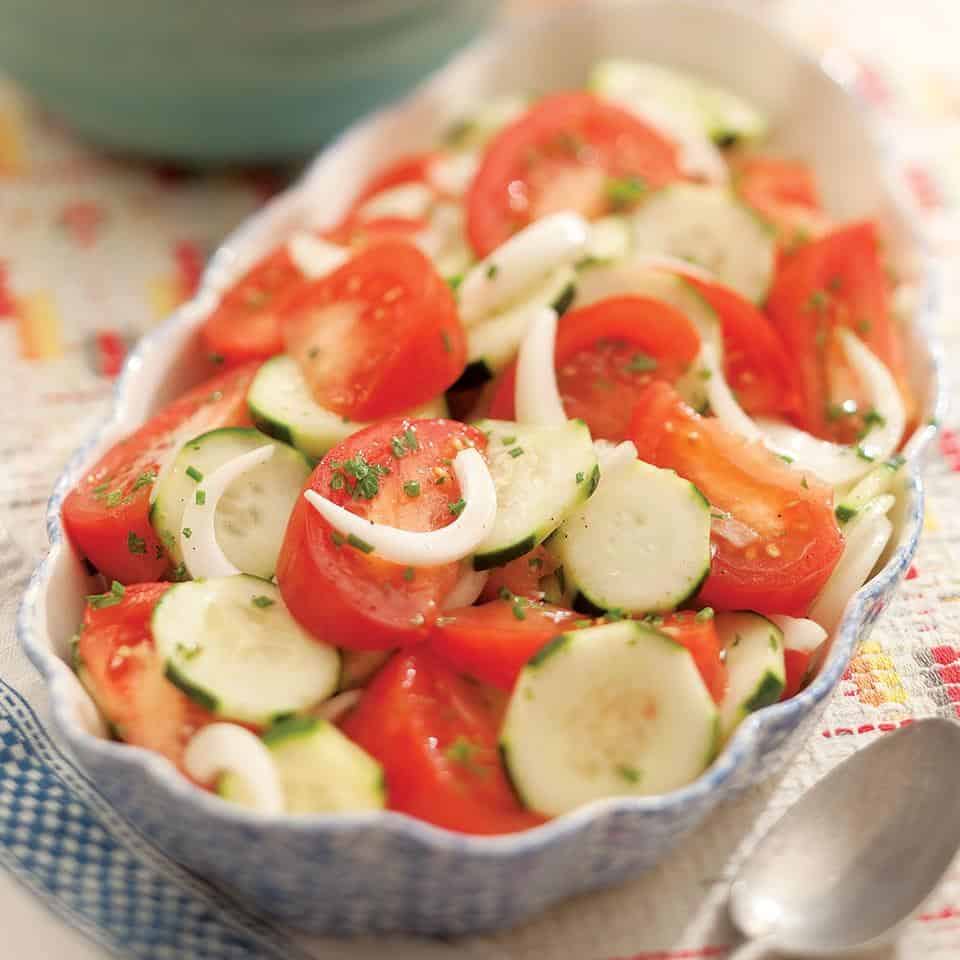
698 634
493 641
435 735
785 193
123 673
351 598
107 515
755 362
245 325
607 353
377 336
838 280
569 151
521 577
797 665
775 536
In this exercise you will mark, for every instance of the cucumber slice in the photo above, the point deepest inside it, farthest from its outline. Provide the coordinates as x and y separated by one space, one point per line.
615 710
709 227
541 474
879 481
633 276
282 406
640 544
231 645
753 647
321 770
723 116
492 344
252 515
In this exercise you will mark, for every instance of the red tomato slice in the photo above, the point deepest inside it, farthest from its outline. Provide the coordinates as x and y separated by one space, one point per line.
522 576
367 232
775 537
107 515
836 280
245 325
351 598
606 355
493 641
755 362
562 154
797 663
699 636
435 735
126 678
769 182
378 336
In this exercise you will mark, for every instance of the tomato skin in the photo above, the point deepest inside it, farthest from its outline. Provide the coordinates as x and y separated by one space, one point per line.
120 664
353 599
797 663
491 643
435 735
836 281
560 153
377 336
594 349
246 323
756 364
699 636
107 515
787 517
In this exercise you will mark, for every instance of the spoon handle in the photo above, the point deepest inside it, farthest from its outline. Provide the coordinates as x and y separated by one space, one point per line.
751 950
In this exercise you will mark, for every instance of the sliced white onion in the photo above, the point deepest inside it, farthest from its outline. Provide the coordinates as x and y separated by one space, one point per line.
443 241
202 553
832 462
466 590
536 396
609 238
452 173
558 240
315 257
434 547
735 532
611 455
408 200
799 633
334 708
866 536
229 748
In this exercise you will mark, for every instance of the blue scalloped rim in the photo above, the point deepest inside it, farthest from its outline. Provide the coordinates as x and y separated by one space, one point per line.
751 742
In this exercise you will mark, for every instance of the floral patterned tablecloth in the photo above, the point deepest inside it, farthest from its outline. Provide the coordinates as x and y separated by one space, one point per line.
95 250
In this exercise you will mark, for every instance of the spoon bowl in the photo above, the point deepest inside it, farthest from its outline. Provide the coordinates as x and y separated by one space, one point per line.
860 852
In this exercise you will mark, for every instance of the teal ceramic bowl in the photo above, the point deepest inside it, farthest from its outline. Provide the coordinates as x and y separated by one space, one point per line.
213 81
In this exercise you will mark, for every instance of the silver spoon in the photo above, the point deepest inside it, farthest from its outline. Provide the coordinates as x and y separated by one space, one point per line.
857 854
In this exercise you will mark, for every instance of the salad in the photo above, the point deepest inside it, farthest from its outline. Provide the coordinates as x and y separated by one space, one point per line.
559 455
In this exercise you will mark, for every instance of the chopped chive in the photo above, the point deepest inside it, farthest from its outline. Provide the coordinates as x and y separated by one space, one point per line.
200 498
817 301
397 447
144 480
109 599
408 574
461 751
624 191
704 615
615 614
506 441
411 437
518 611
179 572
262 601
456 508
535 563
455 281
804 484
412 488
114 498
580 476
583 623
337 481
845 513
187 532
217 358
492 271
505 593
194 474
337 538
630 774
136 544
864 454
359 544
516 452
313 353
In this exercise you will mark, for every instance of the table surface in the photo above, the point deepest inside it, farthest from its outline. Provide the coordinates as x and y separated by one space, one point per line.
94 251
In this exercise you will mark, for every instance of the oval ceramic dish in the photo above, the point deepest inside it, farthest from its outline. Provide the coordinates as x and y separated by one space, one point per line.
385 871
